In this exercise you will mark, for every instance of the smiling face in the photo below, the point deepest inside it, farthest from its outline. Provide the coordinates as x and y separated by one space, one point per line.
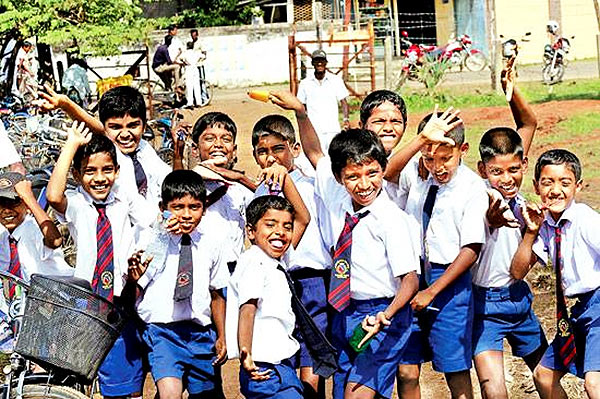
362 181
217 143
273 232
12 213
125 132
272 149
387 122
97 175
320 65
557 187
442 161
188 211
505 173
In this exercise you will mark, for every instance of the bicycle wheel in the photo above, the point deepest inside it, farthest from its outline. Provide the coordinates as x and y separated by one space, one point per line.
166 154
475 62
40 391
206 88
553 75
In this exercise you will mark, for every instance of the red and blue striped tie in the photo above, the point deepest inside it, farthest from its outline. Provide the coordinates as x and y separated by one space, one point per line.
14 266
102 283
564 328
339 286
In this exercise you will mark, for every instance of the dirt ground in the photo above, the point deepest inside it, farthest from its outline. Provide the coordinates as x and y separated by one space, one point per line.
245 112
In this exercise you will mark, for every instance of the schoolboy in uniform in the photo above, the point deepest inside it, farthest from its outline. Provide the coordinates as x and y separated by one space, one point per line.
374 268
274 142
102 224
451 205
260 319
564 233
503 304
30 242
180 300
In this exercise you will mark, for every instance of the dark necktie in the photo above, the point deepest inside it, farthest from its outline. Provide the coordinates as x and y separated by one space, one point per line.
339 285
185 277
14 267
426 218
515 208
102 283
564 329
217 194
321 351
140 176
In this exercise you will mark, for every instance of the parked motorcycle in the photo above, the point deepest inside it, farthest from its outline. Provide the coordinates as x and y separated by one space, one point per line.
555 56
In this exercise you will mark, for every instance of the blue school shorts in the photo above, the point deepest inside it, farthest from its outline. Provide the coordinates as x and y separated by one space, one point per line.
506 312
450 330
585 316
376 366
282 384
310 286
122 372
183 350
416 350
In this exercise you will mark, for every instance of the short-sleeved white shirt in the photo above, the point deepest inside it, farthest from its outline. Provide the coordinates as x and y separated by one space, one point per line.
321 99
580 248
8 153
458 216
257 277
384 242
34 256
81 217
176 48
310 251
209 273
493 266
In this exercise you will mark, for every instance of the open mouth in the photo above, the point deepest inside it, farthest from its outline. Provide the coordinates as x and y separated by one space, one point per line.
277 244
366 196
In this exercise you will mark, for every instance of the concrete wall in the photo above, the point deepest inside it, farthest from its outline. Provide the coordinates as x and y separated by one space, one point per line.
579 20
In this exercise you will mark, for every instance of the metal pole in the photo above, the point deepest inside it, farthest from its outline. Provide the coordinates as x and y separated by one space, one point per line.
396 27
292 63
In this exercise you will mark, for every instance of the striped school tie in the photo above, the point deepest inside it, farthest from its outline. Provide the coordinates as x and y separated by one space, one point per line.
141 180
339 286
102 283
564 328
14 267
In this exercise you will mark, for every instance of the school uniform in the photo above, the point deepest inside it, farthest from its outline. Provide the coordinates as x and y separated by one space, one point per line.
121 372
457 219
503 304
257 277
580 248
34 256
308 263
8 153
179 334
383 248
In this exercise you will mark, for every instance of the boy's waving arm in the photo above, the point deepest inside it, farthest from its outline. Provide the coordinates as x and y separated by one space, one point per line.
525 258
52 237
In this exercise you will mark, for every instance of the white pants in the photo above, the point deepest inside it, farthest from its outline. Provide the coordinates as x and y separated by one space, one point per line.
192 85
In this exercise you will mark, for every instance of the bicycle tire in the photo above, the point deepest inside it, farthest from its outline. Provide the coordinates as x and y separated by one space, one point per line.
166 154
554 75
40 391
475 62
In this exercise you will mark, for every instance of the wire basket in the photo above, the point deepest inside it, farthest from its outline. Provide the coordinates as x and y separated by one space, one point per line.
67 326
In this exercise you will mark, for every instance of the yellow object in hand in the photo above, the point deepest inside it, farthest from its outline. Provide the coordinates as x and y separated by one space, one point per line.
260 95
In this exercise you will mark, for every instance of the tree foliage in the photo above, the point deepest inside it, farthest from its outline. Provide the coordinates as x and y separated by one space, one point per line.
96 26
214 13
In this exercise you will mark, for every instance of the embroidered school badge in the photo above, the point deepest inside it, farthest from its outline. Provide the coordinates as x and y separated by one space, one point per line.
5 183
341 268
563 328
107 279
183 279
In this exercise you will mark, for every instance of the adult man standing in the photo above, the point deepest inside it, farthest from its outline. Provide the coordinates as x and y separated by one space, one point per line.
176 48
320 94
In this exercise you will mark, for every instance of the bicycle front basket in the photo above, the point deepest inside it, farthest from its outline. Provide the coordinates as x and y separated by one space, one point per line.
67 326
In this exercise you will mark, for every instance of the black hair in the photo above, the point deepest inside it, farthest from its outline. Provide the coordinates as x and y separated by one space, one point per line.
260 205
212 119
378 97
277 125
168 40
120 101
97 144
500 141
457 134
180 183
558 156
194 31
171 27
355 146
79 62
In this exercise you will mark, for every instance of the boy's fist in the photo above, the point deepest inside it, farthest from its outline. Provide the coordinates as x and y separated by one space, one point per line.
136 267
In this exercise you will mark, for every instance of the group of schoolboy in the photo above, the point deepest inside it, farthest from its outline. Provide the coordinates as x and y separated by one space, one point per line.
410 251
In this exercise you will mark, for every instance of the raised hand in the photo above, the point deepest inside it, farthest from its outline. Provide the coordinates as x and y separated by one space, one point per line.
274 177
50 100
23 189
507 78
286 100
136 268
78 134
436 128
496 214
534 216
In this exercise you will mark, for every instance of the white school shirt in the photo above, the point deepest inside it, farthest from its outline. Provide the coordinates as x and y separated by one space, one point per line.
256 277
209 273
176 48
458 216
34 256
493 266
81 217
580 248
311 251
155 170
8 153
383 242
321 99
230 213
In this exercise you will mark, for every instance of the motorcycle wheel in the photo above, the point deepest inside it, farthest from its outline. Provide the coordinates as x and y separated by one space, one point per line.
554 75
475 62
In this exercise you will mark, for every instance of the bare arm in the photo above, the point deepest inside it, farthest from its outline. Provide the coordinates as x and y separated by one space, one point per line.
53 100
245 332
521 110
525 258
217 308
52 237
345 112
